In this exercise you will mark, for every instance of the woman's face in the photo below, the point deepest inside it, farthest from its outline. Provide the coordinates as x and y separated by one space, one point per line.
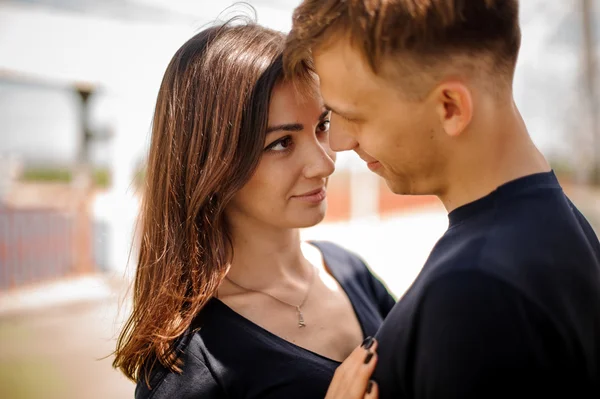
288 188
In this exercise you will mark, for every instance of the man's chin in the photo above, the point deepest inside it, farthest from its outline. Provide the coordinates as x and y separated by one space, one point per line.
397 187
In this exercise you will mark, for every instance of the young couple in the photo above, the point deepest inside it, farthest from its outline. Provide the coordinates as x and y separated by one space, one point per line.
229 303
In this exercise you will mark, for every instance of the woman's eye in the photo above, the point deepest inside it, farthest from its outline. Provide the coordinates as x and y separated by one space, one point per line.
323 126
281 145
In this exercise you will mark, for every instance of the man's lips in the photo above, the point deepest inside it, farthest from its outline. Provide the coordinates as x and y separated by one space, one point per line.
374 165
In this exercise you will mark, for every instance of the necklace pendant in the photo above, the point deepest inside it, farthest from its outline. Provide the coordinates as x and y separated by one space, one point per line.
301 323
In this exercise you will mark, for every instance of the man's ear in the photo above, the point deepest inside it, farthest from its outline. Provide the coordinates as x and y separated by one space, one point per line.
454 106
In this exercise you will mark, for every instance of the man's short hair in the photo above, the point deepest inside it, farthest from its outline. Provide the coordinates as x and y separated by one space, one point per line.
427 32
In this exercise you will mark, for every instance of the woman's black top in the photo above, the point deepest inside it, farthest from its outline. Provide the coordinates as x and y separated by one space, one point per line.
227 356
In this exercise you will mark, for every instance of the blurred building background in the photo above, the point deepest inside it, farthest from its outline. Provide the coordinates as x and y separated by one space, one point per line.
78 81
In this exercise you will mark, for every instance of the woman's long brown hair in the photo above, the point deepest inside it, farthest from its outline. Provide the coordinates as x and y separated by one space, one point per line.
208 134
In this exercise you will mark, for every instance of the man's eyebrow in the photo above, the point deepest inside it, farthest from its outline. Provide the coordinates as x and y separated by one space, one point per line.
330 108
288 127
336 111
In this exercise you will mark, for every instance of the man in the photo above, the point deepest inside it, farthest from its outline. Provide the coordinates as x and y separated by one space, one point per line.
508 303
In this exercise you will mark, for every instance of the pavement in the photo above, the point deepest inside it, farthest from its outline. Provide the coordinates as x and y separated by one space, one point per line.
62 349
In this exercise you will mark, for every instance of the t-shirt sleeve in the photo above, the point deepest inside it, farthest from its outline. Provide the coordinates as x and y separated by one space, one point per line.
351 266
195 382
477 337
384 300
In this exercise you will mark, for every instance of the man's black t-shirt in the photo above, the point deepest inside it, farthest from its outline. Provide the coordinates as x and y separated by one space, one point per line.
231 357
506 306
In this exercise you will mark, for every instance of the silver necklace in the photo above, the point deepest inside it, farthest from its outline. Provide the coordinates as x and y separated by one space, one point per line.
298 308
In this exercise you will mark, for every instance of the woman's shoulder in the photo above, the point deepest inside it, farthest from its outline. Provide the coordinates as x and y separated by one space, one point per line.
350 269
340 260
195 379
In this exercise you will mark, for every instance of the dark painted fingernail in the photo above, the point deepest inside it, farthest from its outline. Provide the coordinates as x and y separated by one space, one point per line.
370 386
368 342
369 357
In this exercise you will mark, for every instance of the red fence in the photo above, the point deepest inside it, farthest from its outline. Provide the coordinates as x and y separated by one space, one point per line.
39 245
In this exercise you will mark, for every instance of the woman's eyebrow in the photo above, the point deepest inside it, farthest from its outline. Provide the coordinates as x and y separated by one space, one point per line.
288 127
293 127
324 114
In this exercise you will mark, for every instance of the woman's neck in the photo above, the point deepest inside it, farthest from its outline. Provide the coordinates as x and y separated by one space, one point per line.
264 255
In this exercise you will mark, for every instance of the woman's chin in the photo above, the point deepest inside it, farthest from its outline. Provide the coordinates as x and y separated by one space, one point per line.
312 218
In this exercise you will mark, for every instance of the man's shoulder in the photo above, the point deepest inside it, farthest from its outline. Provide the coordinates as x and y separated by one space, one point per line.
529 243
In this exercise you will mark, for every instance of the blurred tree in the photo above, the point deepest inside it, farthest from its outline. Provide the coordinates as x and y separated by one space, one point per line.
591 88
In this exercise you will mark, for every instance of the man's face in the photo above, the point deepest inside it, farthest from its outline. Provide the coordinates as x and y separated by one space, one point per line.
399 139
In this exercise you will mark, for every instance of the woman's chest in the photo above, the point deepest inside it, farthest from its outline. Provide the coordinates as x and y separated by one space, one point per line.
254 364
326 324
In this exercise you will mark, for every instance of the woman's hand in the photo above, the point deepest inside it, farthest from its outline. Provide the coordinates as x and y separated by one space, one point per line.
352 378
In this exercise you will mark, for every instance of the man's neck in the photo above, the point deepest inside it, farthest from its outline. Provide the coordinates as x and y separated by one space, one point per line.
499 150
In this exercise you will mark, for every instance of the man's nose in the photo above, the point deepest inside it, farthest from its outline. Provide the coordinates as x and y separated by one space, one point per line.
340 138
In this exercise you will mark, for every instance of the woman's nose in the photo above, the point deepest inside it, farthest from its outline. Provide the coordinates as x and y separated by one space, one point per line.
321 161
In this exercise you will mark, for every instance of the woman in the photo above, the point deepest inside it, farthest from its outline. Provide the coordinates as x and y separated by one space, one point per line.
228 302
